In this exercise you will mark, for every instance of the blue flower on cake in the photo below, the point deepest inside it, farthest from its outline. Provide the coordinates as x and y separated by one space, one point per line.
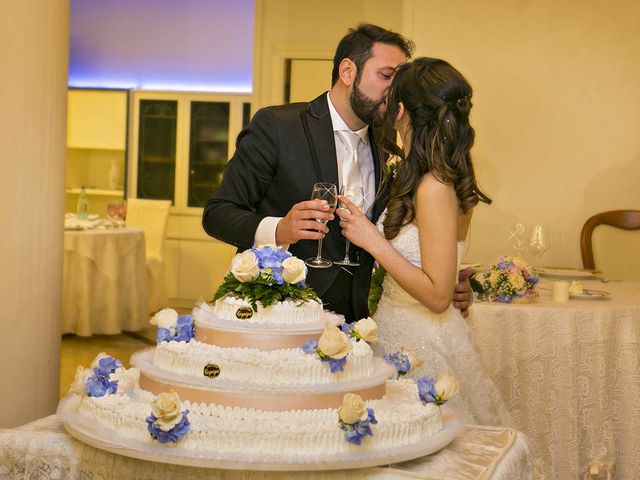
173 327
364 329
266 275
106 376
438 392
168 423
355 418
332 347
405 361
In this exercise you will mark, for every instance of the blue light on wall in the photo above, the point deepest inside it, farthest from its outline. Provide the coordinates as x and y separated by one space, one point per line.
188 45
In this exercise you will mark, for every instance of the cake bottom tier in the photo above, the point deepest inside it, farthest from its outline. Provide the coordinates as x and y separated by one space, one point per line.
266 436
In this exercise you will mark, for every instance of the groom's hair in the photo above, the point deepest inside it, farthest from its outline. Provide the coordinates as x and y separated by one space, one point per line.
357 44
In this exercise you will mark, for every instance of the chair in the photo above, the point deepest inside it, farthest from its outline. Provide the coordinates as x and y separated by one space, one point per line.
620 219
152 216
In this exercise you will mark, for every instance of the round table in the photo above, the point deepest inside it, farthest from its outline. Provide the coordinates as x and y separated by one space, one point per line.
570 375
105 281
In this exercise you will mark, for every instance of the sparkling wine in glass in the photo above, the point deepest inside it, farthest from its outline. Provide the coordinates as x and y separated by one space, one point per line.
539 242
328 193
356 196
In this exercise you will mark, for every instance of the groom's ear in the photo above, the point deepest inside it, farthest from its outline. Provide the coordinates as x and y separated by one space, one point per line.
347 71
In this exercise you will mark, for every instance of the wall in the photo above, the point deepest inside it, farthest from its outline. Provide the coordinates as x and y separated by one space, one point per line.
294 29
555 109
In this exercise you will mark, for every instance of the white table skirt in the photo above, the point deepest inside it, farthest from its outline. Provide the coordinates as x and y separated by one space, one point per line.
570 374
43 450
105 281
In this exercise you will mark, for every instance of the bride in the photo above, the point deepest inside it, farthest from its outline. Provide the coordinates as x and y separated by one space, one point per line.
420 238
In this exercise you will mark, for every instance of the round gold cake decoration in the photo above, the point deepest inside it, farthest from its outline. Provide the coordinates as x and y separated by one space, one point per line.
211 370
243 313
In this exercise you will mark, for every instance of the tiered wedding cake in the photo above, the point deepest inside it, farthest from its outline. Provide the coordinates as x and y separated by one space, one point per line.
261 375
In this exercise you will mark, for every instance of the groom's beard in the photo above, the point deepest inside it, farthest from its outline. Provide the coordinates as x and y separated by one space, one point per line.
367 109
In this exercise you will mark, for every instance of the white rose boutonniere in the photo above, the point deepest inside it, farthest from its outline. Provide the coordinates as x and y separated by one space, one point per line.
165 318
293 270
244 266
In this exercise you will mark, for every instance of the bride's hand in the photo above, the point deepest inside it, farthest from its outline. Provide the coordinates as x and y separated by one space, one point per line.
355 225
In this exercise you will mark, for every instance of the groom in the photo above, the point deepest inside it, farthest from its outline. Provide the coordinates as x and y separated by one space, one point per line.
265 191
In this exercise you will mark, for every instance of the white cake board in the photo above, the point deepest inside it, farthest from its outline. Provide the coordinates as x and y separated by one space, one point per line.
83 429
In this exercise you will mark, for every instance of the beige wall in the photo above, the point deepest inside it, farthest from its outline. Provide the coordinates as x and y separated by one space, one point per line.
306 29
556 109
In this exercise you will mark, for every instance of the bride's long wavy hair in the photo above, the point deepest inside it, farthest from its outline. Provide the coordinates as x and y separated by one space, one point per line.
437 99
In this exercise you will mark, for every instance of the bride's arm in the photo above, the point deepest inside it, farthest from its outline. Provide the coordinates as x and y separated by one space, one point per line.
436 217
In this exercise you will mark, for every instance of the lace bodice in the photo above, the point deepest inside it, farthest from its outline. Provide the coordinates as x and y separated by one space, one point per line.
407 242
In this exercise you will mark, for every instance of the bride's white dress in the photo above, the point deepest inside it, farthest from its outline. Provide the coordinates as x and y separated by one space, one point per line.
441 340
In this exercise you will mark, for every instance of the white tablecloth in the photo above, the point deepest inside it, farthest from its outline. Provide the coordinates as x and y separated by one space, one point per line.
43 450
105 281
570 374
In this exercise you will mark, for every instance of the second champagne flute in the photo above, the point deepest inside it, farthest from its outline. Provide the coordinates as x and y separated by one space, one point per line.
328 193
355 195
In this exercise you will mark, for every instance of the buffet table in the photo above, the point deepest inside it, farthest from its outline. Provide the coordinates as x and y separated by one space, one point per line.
43 450
570 374
105 281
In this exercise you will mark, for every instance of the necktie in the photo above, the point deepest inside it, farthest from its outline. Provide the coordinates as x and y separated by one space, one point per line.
350 166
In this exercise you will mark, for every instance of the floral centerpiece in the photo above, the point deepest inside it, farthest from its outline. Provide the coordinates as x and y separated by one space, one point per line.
267 275
509 280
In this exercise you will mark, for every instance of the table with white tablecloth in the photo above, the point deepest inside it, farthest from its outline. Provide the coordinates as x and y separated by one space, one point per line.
570 374
43 450
105 281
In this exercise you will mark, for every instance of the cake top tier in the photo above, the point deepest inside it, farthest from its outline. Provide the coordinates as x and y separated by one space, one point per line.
266 275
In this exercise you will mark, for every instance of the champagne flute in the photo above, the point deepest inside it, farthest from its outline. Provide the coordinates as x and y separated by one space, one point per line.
539 242
328 193
356 196
519 238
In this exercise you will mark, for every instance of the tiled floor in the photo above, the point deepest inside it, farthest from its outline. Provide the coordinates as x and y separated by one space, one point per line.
82 350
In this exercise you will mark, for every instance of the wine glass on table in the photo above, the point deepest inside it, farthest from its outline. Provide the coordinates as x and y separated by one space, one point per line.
539 242
519 238
328 193
356 196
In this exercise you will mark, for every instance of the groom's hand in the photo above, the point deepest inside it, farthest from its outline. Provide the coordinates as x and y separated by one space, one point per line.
300 222
462 293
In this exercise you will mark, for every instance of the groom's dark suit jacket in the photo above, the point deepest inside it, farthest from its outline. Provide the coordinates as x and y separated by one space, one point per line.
278 158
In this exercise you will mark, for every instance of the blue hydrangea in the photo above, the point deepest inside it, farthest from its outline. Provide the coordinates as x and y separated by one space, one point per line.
183 331
354 433
108 365
427 390
310 347
400 361
347 328
173 435
270 261
99 385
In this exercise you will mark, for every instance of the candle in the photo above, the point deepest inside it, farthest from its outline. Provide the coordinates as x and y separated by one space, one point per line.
560 291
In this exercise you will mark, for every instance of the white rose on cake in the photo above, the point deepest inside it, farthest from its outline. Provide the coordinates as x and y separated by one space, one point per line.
80 380
167 408
352 409
293 270
165 318
333 342
414 360
366 329
244 266
127 378
446 386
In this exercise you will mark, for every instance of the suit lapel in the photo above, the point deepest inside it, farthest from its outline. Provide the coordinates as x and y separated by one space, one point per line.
377 167
322 139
